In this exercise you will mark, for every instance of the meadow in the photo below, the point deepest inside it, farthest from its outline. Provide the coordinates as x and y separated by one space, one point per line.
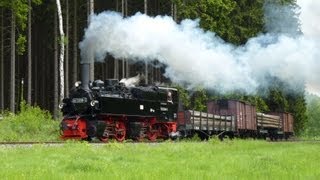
237 159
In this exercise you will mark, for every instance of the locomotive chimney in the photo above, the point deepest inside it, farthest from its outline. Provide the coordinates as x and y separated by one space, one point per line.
84 71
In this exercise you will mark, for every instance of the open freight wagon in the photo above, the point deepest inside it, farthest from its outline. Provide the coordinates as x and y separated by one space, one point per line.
204 124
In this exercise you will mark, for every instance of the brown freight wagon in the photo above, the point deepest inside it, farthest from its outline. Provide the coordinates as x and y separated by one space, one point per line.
287 122
245 114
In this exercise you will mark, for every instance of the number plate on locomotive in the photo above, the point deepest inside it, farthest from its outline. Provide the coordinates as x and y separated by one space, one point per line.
79 100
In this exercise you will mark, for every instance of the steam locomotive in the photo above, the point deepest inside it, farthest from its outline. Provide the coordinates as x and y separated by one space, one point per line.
111 110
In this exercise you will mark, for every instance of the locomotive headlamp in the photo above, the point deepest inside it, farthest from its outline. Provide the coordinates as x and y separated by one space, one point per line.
61 105
77 84
94 102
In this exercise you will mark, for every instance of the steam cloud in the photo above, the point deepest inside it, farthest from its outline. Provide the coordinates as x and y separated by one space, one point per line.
196 57
131 82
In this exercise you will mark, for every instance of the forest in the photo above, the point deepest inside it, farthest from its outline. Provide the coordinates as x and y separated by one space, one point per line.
39 51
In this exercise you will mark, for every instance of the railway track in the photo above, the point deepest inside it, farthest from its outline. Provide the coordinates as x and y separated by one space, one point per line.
49 143
294 140
30 143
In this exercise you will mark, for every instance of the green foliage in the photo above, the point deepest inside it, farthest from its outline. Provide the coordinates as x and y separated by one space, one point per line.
184 97
233 21
195 99
247 20
20 8
199 100
313 112
276 100
21 41
298 108
30 124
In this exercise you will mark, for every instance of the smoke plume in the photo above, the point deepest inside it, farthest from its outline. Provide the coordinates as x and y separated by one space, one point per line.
195 57
131 82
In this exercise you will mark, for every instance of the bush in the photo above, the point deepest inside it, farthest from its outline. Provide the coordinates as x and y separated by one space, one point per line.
30 124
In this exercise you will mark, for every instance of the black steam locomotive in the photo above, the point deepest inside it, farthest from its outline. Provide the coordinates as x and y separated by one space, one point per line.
109 109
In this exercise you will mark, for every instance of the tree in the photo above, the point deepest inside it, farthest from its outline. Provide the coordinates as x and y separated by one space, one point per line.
13 63
313 113
248 21
1 64
61 56
214 15
75 43
55 69
233 21
199 100
19 13
298 108
282 17
90 12
146 72
67 50
29 98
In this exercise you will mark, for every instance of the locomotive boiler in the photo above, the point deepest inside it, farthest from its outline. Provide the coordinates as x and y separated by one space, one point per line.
111 110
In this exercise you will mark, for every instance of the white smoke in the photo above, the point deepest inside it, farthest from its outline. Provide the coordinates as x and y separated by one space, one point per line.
196 57
132 81
310 15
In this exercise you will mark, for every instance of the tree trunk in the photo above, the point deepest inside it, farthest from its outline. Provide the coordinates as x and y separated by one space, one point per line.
127 62
56 84
146 64
174 11
1 66
90 12
29 83
123 60
13 63
75 44
61 57
67 50
116 61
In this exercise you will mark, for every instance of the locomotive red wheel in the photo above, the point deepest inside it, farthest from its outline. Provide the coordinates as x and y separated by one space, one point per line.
104 139
152 134
120 133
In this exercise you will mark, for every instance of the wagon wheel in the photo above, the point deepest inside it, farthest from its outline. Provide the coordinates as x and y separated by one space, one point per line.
120 131
152 134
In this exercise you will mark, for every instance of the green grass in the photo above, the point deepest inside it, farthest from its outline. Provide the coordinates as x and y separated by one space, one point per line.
237 159
30 124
